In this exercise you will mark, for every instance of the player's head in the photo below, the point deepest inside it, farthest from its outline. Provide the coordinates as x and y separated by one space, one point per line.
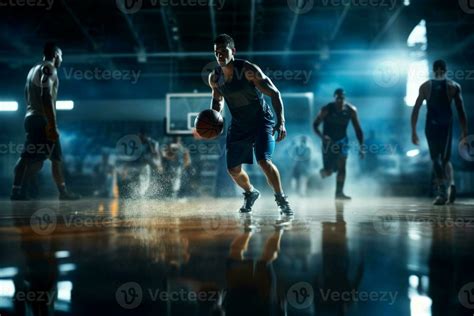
339 96
53 53
440 68
224 49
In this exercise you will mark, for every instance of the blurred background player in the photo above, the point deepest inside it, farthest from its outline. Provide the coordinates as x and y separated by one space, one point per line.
42 135
336 117
176 159
439 94
301 155
242 85
105 177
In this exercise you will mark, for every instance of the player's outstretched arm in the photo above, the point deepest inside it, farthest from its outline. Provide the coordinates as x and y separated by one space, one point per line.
255 75
414 115
459 101
217 102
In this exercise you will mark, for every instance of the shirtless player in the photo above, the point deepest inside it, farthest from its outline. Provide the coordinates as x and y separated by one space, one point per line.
42 136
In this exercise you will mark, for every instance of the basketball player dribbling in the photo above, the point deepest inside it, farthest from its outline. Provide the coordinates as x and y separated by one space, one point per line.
241 85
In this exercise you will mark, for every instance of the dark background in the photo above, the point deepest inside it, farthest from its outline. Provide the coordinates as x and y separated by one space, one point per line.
170 46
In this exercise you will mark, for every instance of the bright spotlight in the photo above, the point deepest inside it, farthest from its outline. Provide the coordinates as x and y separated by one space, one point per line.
64 105
8 106
413 153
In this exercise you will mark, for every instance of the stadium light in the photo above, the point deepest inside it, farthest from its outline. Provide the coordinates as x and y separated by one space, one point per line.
413 153
64 105
8 106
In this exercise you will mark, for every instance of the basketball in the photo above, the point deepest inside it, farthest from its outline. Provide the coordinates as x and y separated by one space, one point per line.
209 124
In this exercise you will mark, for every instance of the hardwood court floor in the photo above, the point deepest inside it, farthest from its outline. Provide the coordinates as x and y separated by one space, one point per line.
385 256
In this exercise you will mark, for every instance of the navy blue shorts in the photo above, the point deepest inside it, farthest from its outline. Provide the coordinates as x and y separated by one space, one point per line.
440 140
241 148
333 151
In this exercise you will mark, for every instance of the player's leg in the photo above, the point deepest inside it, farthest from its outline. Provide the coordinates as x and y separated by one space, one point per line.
24 169
272 174
448 166
242 179
58 175
238 153
32 156
328 159
451 182
341 178
437 145
264 148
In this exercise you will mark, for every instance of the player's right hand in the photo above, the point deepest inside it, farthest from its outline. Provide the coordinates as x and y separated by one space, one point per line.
415 140
52 133
326 138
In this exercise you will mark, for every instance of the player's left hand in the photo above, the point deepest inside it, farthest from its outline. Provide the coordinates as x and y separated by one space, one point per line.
362 154
280 128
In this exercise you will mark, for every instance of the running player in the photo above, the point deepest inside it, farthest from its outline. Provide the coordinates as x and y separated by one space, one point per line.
42 136
439 94
242 85
336 117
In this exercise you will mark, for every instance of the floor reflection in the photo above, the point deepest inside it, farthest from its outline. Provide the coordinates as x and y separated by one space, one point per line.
386 257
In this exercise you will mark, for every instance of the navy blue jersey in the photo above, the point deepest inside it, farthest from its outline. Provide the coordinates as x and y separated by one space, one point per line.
336 122
245 102
439 105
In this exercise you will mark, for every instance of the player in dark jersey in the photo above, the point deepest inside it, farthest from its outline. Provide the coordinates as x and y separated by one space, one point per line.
241 85
439 94
336 117
42 136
